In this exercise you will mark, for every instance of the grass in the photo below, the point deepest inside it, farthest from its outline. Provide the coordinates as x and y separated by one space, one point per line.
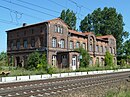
122 93
21 71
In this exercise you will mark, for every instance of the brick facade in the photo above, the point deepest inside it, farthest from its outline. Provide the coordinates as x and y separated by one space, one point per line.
55 39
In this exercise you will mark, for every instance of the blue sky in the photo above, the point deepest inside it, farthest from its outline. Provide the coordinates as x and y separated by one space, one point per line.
15 12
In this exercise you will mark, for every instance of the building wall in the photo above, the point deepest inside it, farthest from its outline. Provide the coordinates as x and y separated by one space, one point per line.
36 33
43 35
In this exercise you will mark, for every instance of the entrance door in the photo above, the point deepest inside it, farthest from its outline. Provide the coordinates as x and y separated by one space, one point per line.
74 62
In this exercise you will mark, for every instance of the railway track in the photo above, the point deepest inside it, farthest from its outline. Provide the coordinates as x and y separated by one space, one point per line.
59 86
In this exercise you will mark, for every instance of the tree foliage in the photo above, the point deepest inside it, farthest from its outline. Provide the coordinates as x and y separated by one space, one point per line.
126 47
3 58
36 61
109 59
106 21
84 62
69 17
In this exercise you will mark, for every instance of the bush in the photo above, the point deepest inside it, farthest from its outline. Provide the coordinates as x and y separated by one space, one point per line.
109 59
84 62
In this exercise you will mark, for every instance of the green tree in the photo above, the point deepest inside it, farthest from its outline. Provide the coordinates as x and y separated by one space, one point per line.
33 60
84 62
109 59
104 22
69 17
3 58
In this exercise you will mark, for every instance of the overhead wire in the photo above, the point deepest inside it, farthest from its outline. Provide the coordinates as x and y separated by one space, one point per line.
18 15
38 6
29 8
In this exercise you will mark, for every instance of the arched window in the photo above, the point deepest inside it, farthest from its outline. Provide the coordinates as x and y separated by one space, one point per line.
84 45
62 43
71 45
54 40
77 44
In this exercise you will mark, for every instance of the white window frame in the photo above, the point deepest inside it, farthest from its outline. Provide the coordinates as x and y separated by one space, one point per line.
77 44
54 42
62 43
71 44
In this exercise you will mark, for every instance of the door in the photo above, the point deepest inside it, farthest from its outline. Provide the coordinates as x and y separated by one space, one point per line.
74 62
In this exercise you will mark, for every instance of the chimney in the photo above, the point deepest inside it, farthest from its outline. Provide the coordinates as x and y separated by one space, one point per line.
24 24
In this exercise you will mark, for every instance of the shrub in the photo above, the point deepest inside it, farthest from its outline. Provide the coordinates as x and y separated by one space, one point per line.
84 62
109 59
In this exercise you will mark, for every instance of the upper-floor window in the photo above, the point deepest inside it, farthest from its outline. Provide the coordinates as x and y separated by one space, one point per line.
102 49
55 28
61 30
33 43
105 49
25 44
97 48
54 42
62 43
58 29
84 45
71 45
18 44
32 30
111 50
41 29
91 47
12 45
77 44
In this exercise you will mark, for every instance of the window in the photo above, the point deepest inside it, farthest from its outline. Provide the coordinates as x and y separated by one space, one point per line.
54 40
97 61
77 45
102 61
58 28
32 31
97 48
91 61
102 49
84 45
54 60
111 50
71 45
25 45
62 42
41 41
64 61
18 45
91 47
105 49
55 28
12 45
41 29
32 43
17 34
61 30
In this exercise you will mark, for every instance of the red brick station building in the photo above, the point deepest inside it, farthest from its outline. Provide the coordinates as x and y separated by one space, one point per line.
58 42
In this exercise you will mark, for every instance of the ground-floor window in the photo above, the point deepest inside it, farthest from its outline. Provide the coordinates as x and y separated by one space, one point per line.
64 61
91 61
54 60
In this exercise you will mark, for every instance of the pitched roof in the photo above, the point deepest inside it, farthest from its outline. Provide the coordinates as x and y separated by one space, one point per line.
75 32
38 24
105 36
87 33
